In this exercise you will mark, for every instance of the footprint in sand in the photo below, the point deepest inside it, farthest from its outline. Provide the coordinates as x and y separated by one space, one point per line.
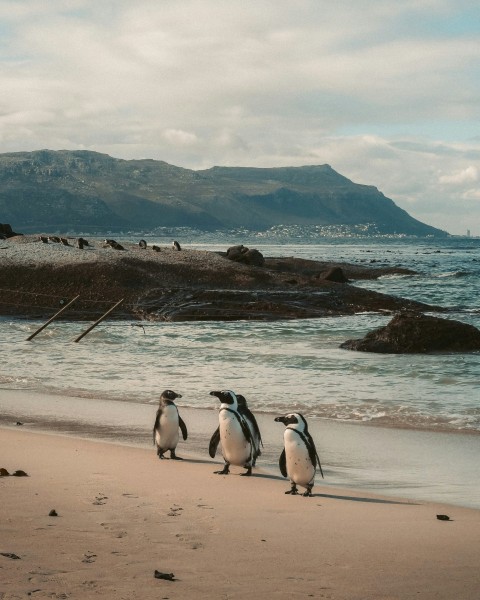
174 511
89 557
189 539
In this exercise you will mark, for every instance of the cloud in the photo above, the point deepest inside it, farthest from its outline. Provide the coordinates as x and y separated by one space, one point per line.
178 137
200 82
467 175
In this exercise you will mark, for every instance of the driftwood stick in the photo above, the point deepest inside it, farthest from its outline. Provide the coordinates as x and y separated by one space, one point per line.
52 318
99 320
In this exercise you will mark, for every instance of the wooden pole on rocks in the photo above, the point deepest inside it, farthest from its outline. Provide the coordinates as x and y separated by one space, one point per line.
52 319
99 320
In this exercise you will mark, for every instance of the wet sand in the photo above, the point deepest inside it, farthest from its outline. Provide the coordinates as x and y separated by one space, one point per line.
123 514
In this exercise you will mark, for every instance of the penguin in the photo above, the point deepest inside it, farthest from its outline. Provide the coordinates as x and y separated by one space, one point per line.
234 434
167 423
176 245
299 457
252 424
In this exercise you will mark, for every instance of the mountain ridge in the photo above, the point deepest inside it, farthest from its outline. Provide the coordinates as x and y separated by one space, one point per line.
85 191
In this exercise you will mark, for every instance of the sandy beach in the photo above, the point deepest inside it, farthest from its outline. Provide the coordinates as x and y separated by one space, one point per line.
123 514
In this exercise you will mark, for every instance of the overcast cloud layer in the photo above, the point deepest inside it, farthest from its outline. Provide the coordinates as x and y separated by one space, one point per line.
386 92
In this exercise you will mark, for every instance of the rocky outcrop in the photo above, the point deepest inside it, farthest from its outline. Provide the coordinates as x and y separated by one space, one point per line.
245 255
335 274
6 231
163 284
411 332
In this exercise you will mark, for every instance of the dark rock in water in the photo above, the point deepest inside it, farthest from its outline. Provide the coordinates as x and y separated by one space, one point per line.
4 472
246 256
412 332
53 513
335 274
10 555
6 231
193 285
443 517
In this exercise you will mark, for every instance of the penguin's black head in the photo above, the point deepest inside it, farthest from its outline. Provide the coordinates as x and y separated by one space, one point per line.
287 419
296 420
169 395
225 396
241 401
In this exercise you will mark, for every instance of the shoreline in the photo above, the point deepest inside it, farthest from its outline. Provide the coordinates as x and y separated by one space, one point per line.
122 514
420 465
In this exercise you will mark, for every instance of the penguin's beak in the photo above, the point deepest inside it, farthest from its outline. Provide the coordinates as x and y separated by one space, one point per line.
217 394
179 395
281 420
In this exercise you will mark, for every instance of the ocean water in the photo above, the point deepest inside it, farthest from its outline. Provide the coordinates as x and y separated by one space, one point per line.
278 366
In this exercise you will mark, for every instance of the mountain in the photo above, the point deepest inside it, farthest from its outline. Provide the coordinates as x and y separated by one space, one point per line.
66 190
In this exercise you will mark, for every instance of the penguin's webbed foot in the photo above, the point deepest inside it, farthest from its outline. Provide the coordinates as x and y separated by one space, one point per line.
308 493
247 473
173 456
293 490
224 471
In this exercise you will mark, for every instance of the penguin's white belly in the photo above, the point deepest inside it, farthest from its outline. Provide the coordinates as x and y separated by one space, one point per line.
166 436
299 466
235 448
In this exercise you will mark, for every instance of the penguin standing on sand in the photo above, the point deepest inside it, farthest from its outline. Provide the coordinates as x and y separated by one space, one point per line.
299 457
252 424
233 433
167 423
176 245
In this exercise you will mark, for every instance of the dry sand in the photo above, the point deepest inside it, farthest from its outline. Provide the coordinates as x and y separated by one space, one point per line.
122 514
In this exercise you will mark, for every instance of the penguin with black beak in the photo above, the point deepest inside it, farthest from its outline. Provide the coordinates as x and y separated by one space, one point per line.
299 458
167 423
233 433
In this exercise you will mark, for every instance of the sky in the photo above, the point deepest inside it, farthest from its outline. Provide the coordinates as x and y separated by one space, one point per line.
387 92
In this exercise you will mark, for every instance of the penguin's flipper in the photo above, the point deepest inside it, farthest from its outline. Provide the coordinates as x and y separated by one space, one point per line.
257 429
319 465
312 452
157 423
282 463
215 440
183 427
251 417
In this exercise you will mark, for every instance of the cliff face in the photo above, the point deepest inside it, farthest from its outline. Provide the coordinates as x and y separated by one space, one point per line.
81 190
